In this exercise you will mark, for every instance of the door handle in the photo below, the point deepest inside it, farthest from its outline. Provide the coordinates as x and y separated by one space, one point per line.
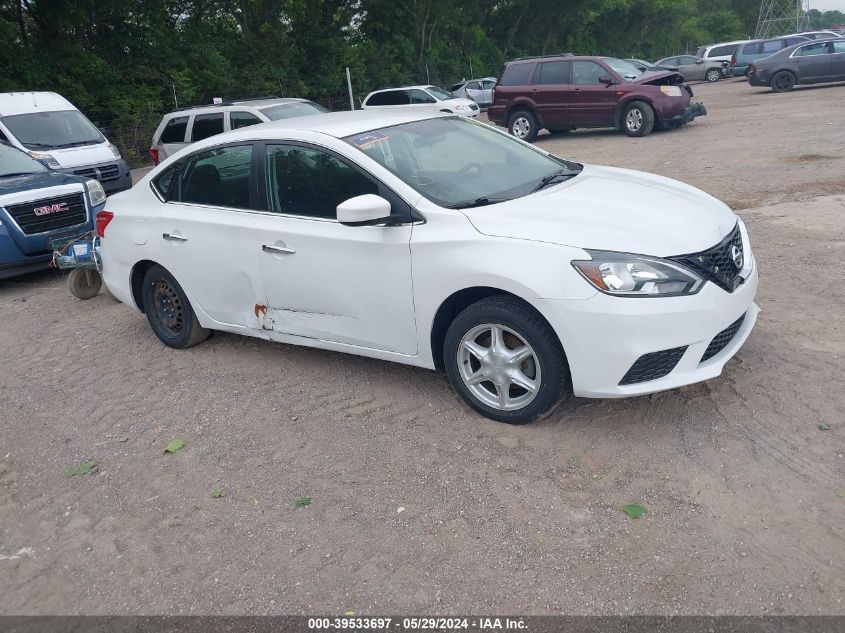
284 250
174 238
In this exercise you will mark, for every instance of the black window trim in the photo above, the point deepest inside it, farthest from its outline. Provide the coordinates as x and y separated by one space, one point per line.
411 215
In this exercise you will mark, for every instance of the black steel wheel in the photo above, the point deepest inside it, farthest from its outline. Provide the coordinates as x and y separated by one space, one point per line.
169 312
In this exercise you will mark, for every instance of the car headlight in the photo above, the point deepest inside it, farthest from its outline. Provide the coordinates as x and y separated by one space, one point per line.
627 275
46 159
461 107
671 91
95 192
114 151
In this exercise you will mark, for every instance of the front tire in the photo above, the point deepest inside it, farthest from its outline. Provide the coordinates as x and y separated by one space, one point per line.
784 81
523 125
713 75
505 360
638 119
169 312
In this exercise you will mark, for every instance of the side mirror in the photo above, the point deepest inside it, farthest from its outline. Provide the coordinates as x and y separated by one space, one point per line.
363 210
607 80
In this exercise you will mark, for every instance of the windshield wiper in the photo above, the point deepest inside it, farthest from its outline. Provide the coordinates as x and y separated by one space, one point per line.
547 180
78 143
478 202
41 145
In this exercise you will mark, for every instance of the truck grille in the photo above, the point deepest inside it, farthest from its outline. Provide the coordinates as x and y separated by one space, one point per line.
49 214
653 366
106 173
717 264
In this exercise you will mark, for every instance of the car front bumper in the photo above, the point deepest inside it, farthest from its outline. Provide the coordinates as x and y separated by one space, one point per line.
692 111
112 181
604 336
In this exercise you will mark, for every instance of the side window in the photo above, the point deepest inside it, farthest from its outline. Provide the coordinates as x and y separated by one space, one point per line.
772 46
421 96
309 182
240 118
174 130
488 85
206 125
722 51
517 74
670 61
751 49
164 180
473 85
814 49
587 73
839 47
553 73
218 177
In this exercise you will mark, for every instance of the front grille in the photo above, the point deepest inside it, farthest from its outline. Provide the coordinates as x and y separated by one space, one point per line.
107 173
653 366
717 264
49 214
722 339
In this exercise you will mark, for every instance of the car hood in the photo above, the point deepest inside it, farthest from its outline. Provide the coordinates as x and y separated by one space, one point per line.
83 155
659 78
607 208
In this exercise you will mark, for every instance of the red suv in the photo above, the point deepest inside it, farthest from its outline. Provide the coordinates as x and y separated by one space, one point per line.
565 92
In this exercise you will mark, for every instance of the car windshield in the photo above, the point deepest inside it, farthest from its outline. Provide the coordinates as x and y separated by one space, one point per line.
290 110
53 130
14 162
458 163
439 93
624 69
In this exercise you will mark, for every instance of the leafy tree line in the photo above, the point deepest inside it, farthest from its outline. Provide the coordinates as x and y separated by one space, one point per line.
125 62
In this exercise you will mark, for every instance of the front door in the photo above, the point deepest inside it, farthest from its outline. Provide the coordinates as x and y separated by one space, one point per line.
325 280
207 233
837 65
592 102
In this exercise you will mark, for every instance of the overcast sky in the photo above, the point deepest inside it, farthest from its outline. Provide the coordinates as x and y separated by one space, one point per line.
827 5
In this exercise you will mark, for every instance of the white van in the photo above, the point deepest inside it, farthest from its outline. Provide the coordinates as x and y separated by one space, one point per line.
52 130
720 52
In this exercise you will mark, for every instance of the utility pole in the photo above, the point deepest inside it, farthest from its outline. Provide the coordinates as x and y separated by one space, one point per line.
780 17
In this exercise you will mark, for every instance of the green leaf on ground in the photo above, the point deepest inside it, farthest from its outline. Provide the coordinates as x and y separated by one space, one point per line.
82 469
301 502
634 510
824 427
217 493
840 492
174 445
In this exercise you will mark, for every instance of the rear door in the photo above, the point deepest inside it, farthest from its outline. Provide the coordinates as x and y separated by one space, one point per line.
837 65
692 68
552 93
207 235
487 90
592 102
173 137
474 92
814 61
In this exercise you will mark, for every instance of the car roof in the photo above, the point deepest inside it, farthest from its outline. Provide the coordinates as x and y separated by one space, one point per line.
253 103
724 44
12 103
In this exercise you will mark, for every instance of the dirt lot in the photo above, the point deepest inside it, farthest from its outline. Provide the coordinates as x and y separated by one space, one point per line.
418 504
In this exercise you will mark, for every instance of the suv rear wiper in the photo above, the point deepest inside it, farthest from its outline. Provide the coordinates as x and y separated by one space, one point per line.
547 180
478 202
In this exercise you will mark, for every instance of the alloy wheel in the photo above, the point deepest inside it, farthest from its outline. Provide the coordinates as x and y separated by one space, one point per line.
499 367
634 119
521 127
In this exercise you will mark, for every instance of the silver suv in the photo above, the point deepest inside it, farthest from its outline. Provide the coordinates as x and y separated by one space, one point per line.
188 125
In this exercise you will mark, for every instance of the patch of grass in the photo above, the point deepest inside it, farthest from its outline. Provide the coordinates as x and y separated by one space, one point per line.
302 502
174 445
82 469
634 510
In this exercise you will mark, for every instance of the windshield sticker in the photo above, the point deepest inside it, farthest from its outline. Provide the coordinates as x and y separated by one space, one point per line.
368 139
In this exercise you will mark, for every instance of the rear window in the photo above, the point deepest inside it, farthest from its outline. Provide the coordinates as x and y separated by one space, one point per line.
722 51
389 97
206 125
516 74
174 131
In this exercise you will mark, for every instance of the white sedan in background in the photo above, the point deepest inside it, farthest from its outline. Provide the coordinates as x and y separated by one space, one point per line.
439 242
422 99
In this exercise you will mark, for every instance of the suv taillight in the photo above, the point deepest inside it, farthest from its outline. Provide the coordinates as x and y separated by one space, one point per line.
154 155
102 221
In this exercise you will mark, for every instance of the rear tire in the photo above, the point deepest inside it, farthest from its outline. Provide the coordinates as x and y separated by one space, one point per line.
784 81
523 125
169 312
517 378
638 119
714 74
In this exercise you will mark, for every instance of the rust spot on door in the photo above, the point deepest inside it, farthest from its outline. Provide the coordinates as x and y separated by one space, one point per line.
260 309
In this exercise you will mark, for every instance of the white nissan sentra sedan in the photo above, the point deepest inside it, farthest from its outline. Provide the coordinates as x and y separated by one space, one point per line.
437 241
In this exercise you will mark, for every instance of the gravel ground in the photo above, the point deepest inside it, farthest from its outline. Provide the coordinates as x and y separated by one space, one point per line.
417 504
